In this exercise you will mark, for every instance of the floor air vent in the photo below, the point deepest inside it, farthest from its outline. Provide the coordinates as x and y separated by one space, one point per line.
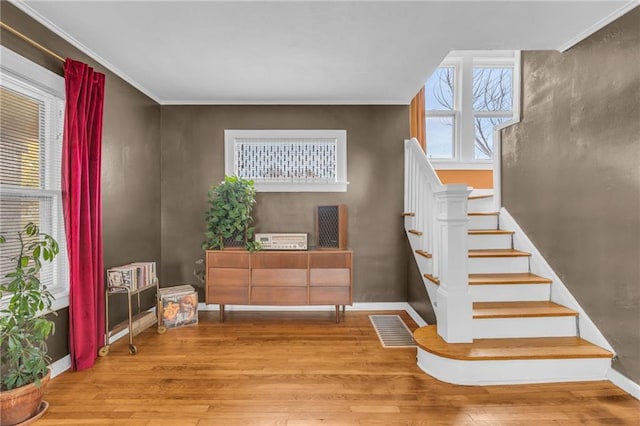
392 331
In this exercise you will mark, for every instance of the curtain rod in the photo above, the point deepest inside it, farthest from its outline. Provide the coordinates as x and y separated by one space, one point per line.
31 42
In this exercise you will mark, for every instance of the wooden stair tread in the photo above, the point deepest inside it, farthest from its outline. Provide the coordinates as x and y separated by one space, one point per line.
498 253
480 196
424 254
486 310
521 278
432 279
414 232
505 349
483 213
499 279
490 232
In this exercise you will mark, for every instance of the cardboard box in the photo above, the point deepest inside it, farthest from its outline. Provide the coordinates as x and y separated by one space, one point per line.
178 308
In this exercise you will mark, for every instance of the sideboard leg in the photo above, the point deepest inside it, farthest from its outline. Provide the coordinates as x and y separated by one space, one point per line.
337 314
221 313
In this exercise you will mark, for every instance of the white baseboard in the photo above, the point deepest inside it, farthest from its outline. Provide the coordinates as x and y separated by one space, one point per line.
374 306
415 316
624 383
365 306
60 366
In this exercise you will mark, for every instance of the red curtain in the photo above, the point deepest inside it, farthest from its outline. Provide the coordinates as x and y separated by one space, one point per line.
81 159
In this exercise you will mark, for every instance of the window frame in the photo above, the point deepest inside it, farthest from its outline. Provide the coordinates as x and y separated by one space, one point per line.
340 136
21 75
464 126
454 113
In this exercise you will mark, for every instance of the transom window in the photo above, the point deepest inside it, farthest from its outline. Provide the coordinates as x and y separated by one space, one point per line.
465 99
288 160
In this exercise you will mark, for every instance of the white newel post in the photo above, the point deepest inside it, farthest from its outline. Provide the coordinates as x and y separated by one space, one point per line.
454 309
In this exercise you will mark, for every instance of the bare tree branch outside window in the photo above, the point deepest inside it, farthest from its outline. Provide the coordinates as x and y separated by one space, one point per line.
492 95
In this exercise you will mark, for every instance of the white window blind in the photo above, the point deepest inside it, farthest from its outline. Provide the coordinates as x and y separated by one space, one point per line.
31 123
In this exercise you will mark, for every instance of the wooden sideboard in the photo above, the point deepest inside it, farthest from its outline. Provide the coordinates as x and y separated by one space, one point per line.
280 278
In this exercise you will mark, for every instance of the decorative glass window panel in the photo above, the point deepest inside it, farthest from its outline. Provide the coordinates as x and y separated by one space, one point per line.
288 160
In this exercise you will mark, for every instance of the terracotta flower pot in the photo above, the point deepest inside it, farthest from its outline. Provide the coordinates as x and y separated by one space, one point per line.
20 404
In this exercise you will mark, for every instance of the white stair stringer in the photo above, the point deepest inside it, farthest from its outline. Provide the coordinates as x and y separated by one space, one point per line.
559 292
512 371
425 266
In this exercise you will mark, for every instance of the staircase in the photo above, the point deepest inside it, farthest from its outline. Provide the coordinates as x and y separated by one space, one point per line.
496 324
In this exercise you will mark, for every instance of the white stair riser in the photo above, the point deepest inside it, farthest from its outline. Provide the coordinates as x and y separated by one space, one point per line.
483 222
510 292
489 241
477 373
481 205
524 327
489 265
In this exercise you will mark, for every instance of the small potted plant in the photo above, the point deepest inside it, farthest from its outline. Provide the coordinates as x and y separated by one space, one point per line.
24 329
229 216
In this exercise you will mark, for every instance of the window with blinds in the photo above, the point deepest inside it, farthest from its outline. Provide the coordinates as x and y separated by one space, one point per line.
288 160
31 122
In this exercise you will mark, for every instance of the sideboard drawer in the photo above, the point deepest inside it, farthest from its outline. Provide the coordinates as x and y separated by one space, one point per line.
329 296
228 277
227 259
280 260
330 277
279 296
279 277
228 295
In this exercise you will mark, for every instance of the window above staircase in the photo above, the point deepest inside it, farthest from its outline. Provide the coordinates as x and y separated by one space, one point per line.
466 97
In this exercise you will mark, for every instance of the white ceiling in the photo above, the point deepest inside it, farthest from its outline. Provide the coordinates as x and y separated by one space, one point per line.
336 52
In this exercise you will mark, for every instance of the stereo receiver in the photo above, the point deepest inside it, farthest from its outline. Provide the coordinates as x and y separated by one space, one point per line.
282 241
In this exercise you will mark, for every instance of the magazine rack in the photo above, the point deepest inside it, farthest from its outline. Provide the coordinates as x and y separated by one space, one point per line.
136 322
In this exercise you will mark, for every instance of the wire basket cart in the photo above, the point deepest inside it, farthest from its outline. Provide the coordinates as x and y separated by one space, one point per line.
136 323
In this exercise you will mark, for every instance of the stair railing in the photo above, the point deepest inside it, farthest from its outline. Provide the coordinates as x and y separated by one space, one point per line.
438 225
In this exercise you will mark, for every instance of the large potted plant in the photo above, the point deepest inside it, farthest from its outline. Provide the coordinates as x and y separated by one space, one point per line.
229 216
24 329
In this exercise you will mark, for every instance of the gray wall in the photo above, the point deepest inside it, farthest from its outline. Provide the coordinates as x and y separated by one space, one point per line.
192 160
571 175
130 158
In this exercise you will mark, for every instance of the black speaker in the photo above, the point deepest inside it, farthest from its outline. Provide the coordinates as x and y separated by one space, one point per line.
331 227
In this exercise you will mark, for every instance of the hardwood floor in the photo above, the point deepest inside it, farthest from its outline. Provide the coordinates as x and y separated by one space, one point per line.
301 368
